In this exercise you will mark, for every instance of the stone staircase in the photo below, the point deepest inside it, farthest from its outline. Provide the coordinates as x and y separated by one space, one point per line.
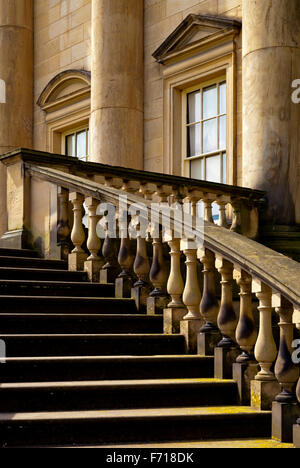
85 368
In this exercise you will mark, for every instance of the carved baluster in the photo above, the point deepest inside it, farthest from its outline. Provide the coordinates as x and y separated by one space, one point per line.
265 348
246 333
63 225
124 281
125 257
111 269
208 200
227 319
236 225
158 298
175 284
141 263
222 201
78 255
286 371
298 390
191 295
209 335
209 306
94 263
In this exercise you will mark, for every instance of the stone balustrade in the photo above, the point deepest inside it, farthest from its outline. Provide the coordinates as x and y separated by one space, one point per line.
242 306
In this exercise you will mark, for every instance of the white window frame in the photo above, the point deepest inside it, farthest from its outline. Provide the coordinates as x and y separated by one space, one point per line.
186 161
75 131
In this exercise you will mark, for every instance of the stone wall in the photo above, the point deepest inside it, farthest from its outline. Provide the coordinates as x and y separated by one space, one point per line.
161 18
62 42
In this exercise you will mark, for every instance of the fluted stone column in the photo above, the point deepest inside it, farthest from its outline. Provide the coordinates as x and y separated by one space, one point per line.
16 71
271 62
117 83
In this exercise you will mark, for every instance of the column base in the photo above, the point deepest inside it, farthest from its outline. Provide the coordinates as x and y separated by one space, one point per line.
190 329
296 435
76 261
283 418
243 374
207 342
93 267
224 360
157 304
172 319
263 394
123 287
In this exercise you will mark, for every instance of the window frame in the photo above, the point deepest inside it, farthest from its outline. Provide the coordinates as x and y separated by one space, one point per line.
75 131
186 160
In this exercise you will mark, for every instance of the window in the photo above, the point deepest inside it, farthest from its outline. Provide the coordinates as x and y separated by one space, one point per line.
205 129
77 144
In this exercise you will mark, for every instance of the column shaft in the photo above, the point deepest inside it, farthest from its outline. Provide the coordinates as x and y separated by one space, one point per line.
117 83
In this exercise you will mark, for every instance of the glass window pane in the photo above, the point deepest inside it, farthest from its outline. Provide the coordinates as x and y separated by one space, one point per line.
222 129
194 107
222 91
210 102
210 133
81 145
224 175
70 145
194 140
197 167
213 169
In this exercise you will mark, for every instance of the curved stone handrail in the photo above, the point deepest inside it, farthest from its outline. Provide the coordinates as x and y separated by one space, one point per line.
274 269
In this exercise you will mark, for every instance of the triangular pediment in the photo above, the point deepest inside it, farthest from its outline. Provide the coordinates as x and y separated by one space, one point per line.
194 30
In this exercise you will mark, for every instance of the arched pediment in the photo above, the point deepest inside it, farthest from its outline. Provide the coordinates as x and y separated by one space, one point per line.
64 89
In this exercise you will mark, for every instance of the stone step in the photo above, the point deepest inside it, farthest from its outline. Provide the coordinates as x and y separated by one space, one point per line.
91 345
80 323
55 288
125 426
39 274
126 394
66 305
18 253
82 368
24 262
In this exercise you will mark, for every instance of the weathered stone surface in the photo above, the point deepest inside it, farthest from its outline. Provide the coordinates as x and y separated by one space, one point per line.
283 418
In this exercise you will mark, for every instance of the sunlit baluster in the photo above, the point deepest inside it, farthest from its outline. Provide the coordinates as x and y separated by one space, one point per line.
265 348
94 263
175 284
78 255
191 294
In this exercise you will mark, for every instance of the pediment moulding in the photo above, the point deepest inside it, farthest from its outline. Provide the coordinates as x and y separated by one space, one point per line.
66 88
196 33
